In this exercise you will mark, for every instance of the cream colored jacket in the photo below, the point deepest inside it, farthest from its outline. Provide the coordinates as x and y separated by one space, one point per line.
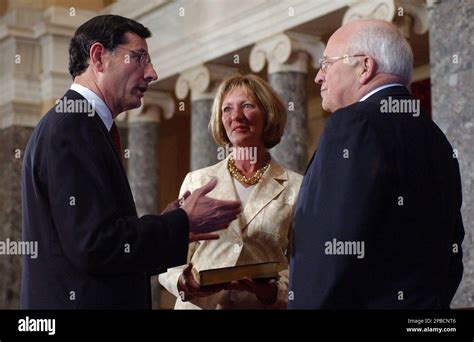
261 233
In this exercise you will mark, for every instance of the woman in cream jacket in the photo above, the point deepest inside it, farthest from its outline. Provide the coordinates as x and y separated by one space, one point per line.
249 116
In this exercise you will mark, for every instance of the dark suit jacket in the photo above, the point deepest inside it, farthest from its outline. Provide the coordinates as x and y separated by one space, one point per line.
390 181
93 250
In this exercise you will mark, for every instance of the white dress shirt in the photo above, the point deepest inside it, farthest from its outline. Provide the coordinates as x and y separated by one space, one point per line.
379 89
98 104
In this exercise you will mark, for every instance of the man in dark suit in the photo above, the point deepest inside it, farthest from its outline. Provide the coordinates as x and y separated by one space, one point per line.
377 223
94 252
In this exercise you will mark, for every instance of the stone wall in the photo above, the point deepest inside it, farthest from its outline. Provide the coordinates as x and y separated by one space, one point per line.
12 146
452 76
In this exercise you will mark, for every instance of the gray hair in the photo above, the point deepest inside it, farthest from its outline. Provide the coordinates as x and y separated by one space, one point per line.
387 47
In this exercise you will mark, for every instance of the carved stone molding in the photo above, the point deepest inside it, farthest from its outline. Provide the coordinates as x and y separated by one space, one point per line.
388 10
19 22
20 102
54 33
122 119
202 81
419 12
375 9
19 114
62 21
130 9
212 29
154 105
286 52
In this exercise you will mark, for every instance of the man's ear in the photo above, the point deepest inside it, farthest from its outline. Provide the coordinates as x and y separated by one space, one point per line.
368 71
96 53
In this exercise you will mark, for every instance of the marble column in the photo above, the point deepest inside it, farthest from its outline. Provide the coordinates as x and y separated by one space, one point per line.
287 56
452 84
202 81
143 165
142 157
203 147
20 105
13 141
291 151
143 143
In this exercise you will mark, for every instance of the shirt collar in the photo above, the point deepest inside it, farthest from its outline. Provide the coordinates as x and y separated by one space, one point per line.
98 104
379 89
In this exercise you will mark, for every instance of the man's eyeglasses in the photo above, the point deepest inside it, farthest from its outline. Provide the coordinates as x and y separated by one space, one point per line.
326 62
142 56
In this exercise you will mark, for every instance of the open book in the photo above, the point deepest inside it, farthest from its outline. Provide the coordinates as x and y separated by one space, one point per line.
228 274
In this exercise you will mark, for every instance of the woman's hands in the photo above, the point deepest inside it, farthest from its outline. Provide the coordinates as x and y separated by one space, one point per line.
266 290
189 288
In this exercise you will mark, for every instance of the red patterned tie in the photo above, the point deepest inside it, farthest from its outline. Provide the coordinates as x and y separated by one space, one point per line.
114 134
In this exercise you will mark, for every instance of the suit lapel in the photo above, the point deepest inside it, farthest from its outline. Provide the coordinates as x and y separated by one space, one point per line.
225 189
109 138
71 94
271 185
117 157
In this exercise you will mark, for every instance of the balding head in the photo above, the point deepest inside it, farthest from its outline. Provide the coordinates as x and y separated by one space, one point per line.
380 55
384 42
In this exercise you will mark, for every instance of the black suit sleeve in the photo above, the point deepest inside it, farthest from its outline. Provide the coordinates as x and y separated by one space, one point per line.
345 204
97 230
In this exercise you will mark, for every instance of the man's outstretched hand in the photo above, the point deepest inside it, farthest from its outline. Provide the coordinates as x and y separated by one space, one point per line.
207 215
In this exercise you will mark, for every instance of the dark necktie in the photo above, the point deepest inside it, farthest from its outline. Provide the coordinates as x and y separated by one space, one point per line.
114 134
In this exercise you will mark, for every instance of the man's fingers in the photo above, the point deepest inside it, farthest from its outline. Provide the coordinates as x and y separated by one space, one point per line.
223 218
226 205
186 194
202 236
183 198
214 227
209 186
227 216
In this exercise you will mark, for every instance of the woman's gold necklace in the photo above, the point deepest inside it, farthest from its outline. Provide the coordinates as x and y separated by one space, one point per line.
235 172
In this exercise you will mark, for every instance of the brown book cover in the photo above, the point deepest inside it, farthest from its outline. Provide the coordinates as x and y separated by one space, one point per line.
228 274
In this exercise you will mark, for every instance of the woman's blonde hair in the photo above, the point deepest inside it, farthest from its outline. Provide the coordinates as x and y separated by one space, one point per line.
268 100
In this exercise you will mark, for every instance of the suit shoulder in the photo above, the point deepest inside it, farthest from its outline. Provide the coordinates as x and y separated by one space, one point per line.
197 178
358 117
344 117
294 177
207 171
